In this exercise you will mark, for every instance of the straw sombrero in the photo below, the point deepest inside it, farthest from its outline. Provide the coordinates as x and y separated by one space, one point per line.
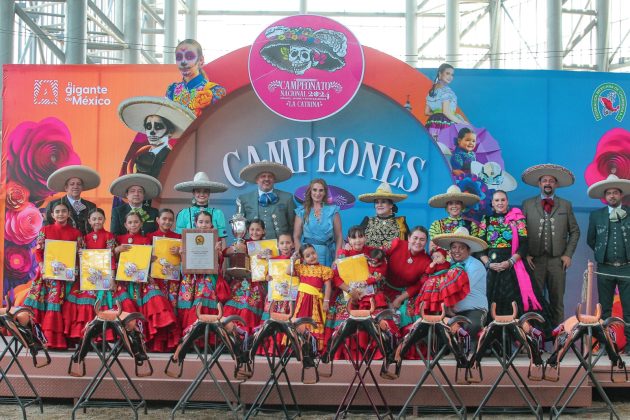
532 174
461 234
133 111
598 189
384 191
57 180
251 171
453 193
151 186
201 181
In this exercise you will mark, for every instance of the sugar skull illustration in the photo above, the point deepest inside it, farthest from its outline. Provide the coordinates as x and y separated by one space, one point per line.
296 50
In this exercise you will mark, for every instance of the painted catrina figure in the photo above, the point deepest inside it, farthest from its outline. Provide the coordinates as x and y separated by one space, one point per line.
160 121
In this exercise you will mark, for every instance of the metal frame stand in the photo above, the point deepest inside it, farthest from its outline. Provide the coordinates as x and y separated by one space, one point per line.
587 362
209 359
277 368
506 360
14 347
108 355
432 361
361 362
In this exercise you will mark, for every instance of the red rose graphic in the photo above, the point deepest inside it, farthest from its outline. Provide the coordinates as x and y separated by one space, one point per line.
18 262
17 196
37 149
612 155
22 227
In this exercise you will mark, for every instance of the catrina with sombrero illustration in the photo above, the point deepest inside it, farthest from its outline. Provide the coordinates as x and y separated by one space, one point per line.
137 189
385 226
201 187
274 207
160 120
455 201
73 180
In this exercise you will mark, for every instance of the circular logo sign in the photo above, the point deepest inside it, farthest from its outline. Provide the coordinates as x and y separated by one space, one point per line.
306 67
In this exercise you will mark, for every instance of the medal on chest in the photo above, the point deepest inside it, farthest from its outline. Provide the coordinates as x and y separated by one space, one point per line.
130 240
409 260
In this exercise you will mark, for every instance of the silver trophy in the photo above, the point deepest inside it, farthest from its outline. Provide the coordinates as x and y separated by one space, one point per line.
238 262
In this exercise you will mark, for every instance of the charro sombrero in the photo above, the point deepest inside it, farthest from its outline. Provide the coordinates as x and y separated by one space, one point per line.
461 234
151 186
201 181
251 171
532 174
133 111
453 193
57 180
598 189
383 192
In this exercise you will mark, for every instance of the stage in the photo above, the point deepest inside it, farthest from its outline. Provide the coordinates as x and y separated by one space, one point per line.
53 381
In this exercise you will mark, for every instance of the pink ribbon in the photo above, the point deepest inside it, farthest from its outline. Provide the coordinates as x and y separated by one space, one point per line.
524 282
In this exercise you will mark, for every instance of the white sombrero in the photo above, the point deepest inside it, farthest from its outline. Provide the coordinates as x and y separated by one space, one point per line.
383 192
453 193
461 234
133 111
151 186
532 174
251 171
598 189
57 180
201 181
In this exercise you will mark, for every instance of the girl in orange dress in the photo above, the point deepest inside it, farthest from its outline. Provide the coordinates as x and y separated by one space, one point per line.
314 291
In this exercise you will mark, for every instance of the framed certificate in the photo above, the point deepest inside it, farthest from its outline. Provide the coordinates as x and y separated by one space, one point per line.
133 265
282 287
166 265
60 258
96 269
199 255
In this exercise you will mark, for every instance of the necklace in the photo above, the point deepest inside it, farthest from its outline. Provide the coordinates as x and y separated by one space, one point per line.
318 213
94 236
410 259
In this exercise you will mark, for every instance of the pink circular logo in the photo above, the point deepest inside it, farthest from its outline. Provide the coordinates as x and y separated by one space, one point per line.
306 67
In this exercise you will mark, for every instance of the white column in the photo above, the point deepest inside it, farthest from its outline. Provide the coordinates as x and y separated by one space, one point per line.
170 31
191 19
555 49
131 28
452 32
411 33
603 25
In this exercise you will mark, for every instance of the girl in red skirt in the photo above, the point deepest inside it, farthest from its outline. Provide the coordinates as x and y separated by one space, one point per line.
247 297
170 288
78 309
314 291
145 297
46 297
204 289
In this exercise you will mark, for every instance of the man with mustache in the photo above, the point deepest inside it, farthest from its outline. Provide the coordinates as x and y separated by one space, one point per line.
553 232
609 237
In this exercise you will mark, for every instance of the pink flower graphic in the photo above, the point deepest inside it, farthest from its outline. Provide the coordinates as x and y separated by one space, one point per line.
18 263
17 196
22 227
612 155
34 150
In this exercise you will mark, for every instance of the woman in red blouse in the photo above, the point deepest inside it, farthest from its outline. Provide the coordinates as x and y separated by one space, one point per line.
407 262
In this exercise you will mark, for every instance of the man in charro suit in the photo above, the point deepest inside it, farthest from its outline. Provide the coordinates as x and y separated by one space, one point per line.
274 207
73 179
137 189
552 232
609 237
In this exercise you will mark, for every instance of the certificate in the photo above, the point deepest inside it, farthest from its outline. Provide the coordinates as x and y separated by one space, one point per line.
353 269
96 269
165 265
259 267
133 265
282 286
199 254
257 247
60 258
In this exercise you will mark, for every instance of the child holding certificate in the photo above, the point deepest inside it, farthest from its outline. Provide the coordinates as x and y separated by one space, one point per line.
314 290
145 297
170 288
247 297
201 289
46 297
79 307
285 249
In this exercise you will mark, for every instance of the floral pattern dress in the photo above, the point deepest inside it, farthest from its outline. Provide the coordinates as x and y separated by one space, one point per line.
197 93
381 231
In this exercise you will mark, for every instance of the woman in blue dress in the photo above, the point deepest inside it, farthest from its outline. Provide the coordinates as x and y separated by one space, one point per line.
201 188
318 223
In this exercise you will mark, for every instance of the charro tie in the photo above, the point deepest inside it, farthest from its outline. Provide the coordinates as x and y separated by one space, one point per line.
267 199
547 204
617 214
78 206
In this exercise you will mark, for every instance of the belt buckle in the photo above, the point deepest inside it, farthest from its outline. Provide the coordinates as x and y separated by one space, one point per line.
618 264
